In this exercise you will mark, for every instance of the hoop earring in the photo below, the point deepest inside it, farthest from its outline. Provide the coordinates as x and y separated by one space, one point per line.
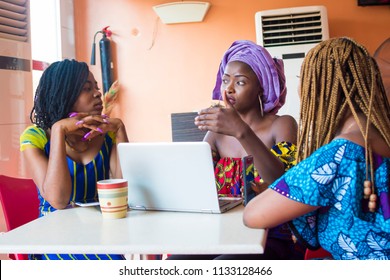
261 106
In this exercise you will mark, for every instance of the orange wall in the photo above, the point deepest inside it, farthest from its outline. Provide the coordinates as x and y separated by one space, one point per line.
165 69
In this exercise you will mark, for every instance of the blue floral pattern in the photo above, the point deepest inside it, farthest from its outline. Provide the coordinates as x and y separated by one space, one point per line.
332 177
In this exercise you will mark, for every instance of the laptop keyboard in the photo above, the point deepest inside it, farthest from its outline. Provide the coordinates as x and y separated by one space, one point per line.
223 202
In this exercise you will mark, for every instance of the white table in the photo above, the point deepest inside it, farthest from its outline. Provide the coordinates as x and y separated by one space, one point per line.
83 230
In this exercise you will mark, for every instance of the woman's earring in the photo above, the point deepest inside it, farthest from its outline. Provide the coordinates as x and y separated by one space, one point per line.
261 106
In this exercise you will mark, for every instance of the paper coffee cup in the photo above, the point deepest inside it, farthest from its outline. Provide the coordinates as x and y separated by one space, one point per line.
113 198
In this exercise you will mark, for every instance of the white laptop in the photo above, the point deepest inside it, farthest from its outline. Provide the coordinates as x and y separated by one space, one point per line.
172 176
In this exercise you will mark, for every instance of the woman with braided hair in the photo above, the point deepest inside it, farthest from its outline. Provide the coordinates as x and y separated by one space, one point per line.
72 144
337 196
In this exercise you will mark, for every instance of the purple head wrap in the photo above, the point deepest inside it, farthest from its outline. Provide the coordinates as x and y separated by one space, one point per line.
269 71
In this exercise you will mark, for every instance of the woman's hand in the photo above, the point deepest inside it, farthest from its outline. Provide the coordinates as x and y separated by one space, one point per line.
257 187
91 126
223 120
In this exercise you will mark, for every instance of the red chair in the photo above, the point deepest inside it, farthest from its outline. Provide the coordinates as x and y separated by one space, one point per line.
317 254
19 199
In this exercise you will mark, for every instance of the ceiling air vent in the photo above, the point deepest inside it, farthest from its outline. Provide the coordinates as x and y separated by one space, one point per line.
14 20
292 26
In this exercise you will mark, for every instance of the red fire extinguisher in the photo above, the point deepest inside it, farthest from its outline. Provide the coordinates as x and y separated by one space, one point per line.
105 57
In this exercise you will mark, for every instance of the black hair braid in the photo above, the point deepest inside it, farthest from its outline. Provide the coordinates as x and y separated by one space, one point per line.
57 91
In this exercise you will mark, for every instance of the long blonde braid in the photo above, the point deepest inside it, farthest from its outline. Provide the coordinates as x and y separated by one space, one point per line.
339 75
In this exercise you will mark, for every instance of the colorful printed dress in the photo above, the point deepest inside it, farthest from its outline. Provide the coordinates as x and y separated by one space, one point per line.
228 174
84 178
332 177
228 170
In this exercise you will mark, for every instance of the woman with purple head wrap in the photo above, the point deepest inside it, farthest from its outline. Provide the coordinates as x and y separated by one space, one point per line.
269 71
252 86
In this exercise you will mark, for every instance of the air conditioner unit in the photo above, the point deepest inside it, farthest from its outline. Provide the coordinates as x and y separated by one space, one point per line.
16 82
289 34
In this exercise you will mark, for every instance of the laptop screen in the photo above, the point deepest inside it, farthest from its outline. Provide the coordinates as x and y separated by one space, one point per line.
172 176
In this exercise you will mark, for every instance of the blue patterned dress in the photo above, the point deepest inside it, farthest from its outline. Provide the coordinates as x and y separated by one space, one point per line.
84 178
332 177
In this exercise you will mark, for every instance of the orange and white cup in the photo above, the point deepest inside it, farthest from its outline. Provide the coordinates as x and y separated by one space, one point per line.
113 198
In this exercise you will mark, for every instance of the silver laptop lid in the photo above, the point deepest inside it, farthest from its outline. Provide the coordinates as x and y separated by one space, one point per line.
171 176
